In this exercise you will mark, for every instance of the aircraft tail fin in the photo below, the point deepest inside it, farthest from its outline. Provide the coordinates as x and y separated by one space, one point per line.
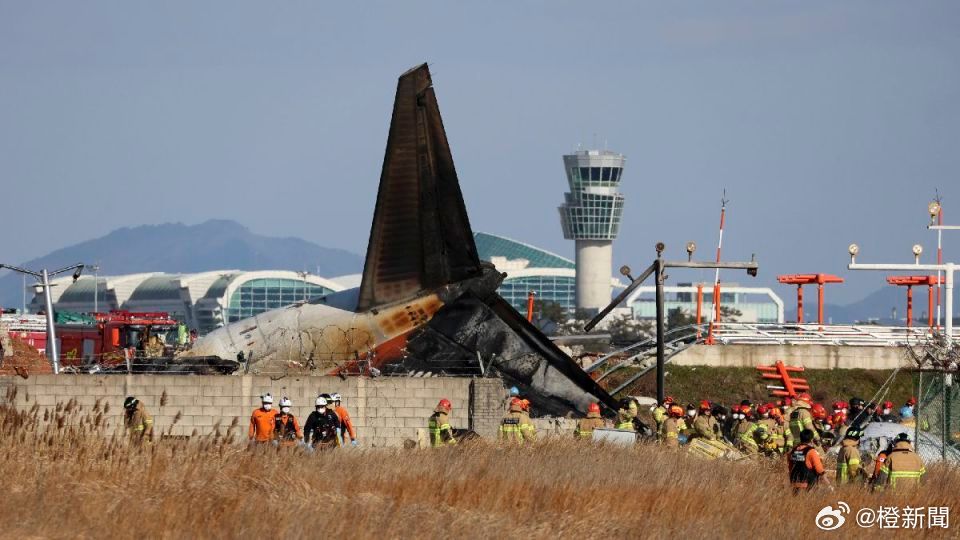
420 237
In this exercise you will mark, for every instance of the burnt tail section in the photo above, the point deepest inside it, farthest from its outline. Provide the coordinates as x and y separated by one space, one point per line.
421 237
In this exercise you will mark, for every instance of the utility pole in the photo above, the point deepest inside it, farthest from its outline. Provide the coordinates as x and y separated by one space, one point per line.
657 269
96 288
44 281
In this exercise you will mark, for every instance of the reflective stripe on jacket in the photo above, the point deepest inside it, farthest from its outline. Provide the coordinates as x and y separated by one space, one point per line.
440 431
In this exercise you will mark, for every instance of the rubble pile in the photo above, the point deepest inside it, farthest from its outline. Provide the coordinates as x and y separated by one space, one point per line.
24 360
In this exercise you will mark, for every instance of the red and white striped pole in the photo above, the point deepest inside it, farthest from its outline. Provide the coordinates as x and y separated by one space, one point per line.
716 279
939 253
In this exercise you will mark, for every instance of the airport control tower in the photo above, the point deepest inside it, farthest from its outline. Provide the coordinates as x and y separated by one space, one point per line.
590 215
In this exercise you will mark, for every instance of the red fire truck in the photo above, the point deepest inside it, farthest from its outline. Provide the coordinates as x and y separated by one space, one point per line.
117 337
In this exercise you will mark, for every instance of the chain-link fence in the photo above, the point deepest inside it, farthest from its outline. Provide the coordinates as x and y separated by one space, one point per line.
938 413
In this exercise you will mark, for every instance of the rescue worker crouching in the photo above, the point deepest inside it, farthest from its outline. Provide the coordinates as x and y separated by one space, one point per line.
137 420
754 436
592 421
516 425
441 433
286 430
902 468
320 431
263 421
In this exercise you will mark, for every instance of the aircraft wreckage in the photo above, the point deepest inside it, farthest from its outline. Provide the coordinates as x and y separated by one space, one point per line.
426 302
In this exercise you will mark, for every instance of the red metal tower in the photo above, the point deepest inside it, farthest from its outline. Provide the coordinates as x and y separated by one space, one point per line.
809 279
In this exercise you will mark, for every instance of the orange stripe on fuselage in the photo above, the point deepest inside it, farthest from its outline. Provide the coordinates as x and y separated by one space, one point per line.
395 324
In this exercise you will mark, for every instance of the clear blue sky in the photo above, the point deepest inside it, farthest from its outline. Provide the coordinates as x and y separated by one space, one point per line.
827 122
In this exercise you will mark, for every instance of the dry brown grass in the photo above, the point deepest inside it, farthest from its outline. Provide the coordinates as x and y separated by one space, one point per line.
69 477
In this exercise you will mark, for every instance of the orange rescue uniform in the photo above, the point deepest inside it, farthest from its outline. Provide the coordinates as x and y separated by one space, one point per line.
345 420
261 425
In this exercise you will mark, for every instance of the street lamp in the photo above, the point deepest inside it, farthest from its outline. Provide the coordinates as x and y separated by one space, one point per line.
936 224
948 269
657 269
43 277
96 288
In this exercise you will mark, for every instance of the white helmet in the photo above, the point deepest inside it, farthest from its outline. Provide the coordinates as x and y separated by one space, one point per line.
321 402
336 397
285 402
266 398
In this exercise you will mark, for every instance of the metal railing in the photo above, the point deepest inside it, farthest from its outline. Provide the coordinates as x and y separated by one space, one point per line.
814 334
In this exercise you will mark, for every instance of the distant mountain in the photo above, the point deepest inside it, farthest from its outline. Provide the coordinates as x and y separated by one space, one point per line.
878 305
179 248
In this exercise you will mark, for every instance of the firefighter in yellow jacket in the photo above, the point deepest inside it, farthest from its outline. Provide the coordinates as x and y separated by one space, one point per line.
903 468
773 444
801 418
585 426
626 413
516 425
848 458
705 425
441 434
660 412
672 426
137 420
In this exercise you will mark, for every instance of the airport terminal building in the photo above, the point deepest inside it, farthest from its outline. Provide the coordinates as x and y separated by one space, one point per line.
204 301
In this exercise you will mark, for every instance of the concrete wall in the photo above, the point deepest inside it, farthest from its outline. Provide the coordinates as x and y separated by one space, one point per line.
386 411
810 356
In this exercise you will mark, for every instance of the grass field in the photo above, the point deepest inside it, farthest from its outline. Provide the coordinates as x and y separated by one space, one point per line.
67 477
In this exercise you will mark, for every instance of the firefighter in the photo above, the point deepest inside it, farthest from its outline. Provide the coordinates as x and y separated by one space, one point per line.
721 415
805 467
660 412
529 430
745 424
626 413
672 426
346 424
878 462
848 459
857 416
887 414
731 425
592 421
902 467
263 421
154 347
138 421
753 437
688 421
705 425
820 420
286 430
441 433
516 425
774 443
801 418
320 431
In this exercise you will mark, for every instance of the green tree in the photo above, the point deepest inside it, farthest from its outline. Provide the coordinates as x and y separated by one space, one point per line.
729 314
678 317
